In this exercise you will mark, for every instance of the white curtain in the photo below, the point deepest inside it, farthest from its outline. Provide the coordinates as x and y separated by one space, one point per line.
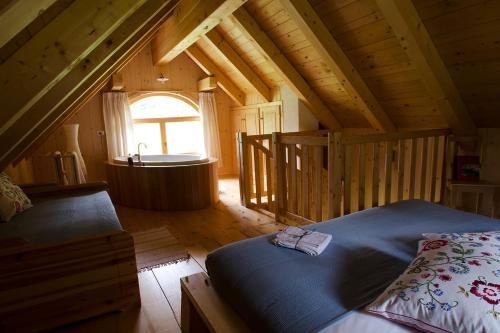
118 124
208 113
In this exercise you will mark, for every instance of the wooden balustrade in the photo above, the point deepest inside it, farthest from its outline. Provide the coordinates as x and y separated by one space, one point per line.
255 165
386 168
301 176
322 175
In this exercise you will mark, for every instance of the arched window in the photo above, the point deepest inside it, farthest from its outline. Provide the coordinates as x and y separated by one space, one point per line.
167 125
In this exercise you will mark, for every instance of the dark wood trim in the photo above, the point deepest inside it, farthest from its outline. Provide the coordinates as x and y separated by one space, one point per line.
35 190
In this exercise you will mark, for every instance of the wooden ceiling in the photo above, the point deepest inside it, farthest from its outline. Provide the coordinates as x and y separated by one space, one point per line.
382 64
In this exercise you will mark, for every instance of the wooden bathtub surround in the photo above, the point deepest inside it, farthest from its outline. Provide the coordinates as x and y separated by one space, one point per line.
307 177
178 187
47 285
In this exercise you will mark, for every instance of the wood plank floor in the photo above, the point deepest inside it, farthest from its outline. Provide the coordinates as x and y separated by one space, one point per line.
200 232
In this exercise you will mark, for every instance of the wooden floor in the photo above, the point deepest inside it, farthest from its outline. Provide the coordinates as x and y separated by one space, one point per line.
200 232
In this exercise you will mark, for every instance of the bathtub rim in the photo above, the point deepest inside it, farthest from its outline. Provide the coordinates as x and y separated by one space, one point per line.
164 164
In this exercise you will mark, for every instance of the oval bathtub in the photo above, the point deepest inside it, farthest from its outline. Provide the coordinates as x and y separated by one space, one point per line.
162 160
164 182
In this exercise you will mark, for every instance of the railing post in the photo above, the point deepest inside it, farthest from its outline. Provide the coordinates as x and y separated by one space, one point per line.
451 151
279 171
335 173
243 168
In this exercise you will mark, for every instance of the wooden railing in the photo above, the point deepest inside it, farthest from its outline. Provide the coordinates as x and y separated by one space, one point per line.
256 171
66 167
385 168
301 174
314 176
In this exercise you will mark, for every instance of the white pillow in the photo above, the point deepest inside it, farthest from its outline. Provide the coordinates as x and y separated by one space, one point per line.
451 286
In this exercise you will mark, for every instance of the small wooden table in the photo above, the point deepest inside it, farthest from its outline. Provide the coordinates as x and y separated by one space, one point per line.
489 191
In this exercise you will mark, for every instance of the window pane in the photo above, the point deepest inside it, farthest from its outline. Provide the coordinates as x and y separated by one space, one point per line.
184 137
150 135
161 107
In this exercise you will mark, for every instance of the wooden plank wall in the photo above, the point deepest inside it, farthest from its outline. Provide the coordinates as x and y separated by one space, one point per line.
92 145
466 34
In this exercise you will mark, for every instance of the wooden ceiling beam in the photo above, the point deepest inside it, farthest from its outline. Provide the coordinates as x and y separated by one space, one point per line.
308 21
18 15
416 41
251 29
206 65
190 20
226 52
80 79
80 97
47 57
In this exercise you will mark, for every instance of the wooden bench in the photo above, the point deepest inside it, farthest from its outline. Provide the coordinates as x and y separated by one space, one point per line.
51 284
203 310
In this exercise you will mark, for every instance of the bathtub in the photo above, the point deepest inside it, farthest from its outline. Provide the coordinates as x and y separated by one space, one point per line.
164 182
163 160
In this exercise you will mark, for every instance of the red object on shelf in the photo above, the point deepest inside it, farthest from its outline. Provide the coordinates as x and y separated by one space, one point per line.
467 168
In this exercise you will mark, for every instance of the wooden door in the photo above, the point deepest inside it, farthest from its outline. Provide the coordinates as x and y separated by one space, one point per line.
252 122
270 119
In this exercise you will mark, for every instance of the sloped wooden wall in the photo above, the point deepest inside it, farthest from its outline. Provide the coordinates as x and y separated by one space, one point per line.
138 75
467 36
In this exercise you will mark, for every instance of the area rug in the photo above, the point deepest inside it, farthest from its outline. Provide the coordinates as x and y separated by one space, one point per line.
157 247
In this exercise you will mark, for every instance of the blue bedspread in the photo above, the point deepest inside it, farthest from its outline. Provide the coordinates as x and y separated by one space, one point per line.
61 218
282 290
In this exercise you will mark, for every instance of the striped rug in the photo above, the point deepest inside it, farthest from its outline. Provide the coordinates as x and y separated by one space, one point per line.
157 247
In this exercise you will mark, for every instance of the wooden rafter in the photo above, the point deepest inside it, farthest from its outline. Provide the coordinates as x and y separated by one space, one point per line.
202 60
190 20
251 29
413 36
100 80
226 52
19 15
330 51
76 81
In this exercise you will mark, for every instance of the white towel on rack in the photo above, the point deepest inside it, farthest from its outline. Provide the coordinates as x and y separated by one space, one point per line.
309 242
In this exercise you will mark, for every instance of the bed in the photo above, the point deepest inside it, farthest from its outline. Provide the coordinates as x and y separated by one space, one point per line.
65 259
273 289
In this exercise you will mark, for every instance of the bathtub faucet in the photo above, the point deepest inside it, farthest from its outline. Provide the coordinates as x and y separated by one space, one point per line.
139 150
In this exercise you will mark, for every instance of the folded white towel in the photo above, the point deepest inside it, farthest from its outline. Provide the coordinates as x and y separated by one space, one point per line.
309 242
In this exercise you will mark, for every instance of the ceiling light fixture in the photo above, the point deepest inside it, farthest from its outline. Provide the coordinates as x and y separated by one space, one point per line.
162 79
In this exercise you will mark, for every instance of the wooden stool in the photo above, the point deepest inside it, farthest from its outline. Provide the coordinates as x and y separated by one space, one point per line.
489 191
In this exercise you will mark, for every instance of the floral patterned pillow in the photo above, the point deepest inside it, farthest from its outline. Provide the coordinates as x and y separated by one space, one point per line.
453 285
490 236
12 199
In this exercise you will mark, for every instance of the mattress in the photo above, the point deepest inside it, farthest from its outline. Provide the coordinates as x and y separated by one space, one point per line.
365 322
281 290
60 218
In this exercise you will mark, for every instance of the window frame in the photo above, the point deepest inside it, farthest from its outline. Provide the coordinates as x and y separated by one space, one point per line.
163 121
